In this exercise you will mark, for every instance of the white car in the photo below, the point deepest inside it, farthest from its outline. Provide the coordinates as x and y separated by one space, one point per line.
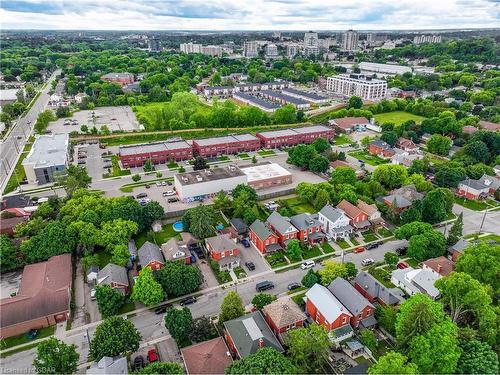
367 261
168 193
158 183
92 295
307 264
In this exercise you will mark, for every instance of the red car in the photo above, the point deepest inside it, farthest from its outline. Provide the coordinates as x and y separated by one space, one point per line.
359 249
152 355
402 265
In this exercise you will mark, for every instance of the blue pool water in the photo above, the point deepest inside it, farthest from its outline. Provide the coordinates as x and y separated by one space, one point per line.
178 227
219 226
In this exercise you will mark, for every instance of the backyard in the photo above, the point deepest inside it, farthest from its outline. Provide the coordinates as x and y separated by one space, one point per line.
369 236
368 158
397 117
166 233
23 339
342 139
298 206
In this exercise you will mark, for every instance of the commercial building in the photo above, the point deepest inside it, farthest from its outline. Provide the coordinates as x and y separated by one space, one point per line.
311 97
231 144
48 155
250 49
266 175
291 137
284 99
120 78
420 39
383 69
154 45
255 101
349 41
366 88
156 153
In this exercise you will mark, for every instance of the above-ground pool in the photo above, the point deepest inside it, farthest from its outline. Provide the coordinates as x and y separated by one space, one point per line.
218 226
178 227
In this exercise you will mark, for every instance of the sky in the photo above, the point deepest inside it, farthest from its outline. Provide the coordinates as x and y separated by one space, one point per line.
249 14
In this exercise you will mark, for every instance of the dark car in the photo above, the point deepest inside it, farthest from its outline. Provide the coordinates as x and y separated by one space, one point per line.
162 309
372 246
264 285
172 200
188 301
250 265
245 242
293 286
194 246
401 250
141 195
138 362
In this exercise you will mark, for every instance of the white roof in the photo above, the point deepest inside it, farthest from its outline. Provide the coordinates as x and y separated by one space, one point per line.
48 150
8 94
329 306
264 171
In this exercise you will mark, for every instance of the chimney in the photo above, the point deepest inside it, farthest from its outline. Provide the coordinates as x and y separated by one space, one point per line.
439 267
261 342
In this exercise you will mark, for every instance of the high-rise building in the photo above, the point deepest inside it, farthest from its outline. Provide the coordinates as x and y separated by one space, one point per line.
190 47
292 50
349 41
250 49
356 84
154 45
212 50
311 39
419 39
271 50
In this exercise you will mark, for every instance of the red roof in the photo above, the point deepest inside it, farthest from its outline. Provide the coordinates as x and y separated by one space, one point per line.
208 357
349 122
441 265
351 210
469 129
489 125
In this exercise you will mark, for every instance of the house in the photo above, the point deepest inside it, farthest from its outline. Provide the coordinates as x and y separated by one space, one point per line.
172 250
16 201
489 126
405 158
265 240
414 281
335 222
326 310
456 250
283 315
92 273
224 251
402 197
496 169
357 218
150 256
43 298
406 145
248 333
115 276
282 227
380 148
309 228
79 97
478 189
371 210
374 291
340 163
440 265
10 219
109 365
361 309
207 357
349 124
239 226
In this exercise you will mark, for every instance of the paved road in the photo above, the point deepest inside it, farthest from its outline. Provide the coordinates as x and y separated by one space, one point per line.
13 145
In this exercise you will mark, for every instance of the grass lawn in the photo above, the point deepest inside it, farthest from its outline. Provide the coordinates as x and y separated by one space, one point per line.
166 233
19 174
240 272
367 158
223 158
312 252
127 307
327 248
293 259
299 299
219 219
296 290
476 205
354 242
244 156
397 117
129 188
369 236
266 153
276 260
343 244
116 171
381 275
384 232
299 206
412 262
342 139
223 277
10 342
172 165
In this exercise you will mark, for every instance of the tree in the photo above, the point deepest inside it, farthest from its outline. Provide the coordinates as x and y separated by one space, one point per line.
390 175
200 163
331 270
390 137
321 145
301 155
319 164
386 318
63 112
202 329
294 250
178 279
148 167
55 357
456 230
391 258
309 348
231 307
115 336
420 182
310 278
116 232
438 144
109 301
199 221
136 177
264 361
179 323
262 299
368 339
321 200
223 202
351 270
254 159
146 289
477 358
121 255
343 175
477 150
412 229
161 368
355 102
8 254
76 178
243 189
431 244
481 262
393 363
434 209
285 115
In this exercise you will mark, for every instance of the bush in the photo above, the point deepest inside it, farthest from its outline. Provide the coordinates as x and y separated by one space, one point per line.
136 177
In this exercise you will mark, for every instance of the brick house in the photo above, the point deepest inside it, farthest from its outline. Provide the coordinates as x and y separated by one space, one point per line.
150 256
120 78
456 250
11 217
265 240
114 276
374 291
230 144
371 210
406 145
361 309
196 357
440 265
282 227
478 189
283 315
349 124
223 250
309 227
156 153
381 148
357 218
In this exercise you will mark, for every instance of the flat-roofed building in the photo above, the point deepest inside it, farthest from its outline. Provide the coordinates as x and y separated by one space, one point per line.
266 175
156 153
311 97
284 99
48 155
347 85
120 78
190 47
250 49
385 69
291 137
230 144
255 101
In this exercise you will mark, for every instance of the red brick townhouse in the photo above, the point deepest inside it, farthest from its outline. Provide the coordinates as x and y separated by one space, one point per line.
223 250
309 227
264 239
283 315
120 78
358 218
361 309
230 144
381 149
292 137
282 227
157 152
150 256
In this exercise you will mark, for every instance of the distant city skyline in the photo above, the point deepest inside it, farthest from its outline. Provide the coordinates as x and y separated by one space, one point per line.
252 15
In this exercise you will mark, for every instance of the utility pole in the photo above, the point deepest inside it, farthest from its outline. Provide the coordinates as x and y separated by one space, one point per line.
482 221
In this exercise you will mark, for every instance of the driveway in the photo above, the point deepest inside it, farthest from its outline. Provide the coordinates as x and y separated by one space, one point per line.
94 160
251 254
168 351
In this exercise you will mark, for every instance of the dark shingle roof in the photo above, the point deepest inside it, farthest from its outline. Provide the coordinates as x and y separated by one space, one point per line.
348 296
148 253
260 229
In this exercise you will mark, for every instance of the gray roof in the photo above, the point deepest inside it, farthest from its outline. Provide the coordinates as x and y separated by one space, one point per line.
256 100
149 148
108 365
260 229
221 243
348 296
389 296
331 213
239 225
400 200
304 221
474 184
312 129
381 144
148 253
48 150
278 133
287 98
248 330
112 273
306 94
460 246
118 75
278 222
212 174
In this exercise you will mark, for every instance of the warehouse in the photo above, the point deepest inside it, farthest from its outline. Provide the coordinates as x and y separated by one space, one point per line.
292 137
158 152
310 97
256 102
230 144
284 99
266 175
198 185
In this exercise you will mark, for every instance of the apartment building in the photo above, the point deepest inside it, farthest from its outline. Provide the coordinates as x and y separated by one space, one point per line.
311 43
350 41
190 47
271 51
250 49
210 50
420 39
366 88
292 50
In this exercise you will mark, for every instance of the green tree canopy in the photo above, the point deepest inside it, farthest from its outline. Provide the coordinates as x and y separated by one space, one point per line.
179 323
146 289
331 270
161 368
477 358
390 175
178 279
262 299
309 348
114 336
265 361
55 357
393 363
231 307
109 301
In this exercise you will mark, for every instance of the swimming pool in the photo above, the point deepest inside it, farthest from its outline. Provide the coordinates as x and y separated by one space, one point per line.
178 227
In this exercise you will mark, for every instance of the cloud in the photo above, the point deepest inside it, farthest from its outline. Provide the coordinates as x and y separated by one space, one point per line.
248 14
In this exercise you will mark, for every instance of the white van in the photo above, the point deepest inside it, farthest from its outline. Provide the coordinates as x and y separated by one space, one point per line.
307 264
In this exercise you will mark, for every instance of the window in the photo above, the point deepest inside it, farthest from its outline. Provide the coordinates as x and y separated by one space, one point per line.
344 320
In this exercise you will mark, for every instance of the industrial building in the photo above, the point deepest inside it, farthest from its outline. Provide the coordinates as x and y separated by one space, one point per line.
291 137
266 175
347 85
383 69
48 155
156 153
253 100
284 99
231 144
310 97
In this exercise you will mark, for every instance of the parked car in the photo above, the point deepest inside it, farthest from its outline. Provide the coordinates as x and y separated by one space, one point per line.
82 161
293 286
359 249
92 295
158 183
372 246
163 183
141 195
264 285
367 261
402 265
138 362
307 264
250 266
163 309
188 301
147 186
172 200
245 242
168 193
401 250
152 355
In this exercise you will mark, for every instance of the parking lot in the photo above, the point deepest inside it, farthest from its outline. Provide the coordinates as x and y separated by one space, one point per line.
9 283
115 118
90 156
